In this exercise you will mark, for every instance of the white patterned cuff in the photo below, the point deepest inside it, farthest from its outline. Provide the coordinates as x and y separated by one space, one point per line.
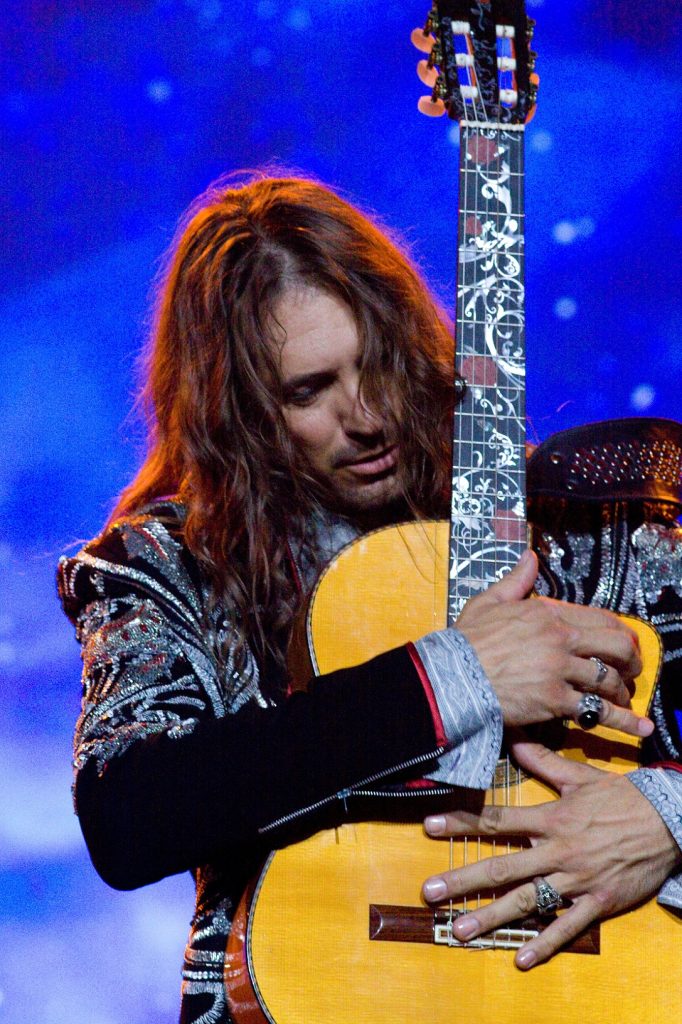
663 790
469 709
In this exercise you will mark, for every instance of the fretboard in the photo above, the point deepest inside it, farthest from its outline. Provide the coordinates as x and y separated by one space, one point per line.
488 518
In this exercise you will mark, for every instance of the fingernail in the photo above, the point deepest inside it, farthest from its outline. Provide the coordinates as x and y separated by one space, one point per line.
526 958
466 926
435 825
434 889
645 727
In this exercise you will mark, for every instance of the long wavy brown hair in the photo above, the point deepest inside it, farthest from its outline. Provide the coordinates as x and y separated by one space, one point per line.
213 393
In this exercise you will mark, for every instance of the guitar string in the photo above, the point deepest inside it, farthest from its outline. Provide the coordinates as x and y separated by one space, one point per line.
458 532
489 429
472 153
518 183
491 413
515 185
454 539
520 206
494 433
461 344
468 422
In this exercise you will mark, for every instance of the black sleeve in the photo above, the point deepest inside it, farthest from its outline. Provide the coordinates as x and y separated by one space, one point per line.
166 804
169 774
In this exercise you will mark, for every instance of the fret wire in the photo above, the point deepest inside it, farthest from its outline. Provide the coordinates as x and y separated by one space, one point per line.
478 414
494 126
503 175
475 322
501 217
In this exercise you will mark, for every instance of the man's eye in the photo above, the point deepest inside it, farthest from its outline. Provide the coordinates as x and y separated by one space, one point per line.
302 396
306 392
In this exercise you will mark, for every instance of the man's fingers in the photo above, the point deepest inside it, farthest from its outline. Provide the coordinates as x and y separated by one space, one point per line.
489 821
614 646
583 673
521 903
518 903
568 925
516 585
625 720
487 875
514 905
593 618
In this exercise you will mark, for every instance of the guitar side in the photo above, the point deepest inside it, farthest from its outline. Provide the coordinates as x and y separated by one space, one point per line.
306 948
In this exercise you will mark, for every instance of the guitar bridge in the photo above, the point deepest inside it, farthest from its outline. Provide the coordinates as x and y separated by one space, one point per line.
420 924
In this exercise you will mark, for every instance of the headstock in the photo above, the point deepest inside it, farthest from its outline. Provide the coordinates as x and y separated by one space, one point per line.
480 66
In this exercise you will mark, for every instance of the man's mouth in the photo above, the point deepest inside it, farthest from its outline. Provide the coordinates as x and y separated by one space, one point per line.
372 465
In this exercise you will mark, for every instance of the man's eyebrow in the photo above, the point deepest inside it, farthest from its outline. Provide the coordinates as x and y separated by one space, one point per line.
300 379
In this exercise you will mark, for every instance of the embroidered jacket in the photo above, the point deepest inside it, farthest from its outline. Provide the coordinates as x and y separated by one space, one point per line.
183 763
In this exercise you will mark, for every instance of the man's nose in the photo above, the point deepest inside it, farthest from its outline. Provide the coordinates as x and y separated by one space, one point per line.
358 417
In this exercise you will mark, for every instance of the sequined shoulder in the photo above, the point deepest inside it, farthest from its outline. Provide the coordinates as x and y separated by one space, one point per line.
143 553
157 654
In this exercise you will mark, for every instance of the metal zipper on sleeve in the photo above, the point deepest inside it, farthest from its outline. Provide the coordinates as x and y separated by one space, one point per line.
358 790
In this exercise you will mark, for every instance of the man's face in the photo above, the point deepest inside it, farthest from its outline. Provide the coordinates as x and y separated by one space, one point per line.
348 449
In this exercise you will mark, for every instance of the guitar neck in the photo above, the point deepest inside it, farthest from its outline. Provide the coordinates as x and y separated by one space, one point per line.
488 517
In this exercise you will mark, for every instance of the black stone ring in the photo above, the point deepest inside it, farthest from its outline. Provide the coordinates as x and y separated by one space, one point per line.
590 707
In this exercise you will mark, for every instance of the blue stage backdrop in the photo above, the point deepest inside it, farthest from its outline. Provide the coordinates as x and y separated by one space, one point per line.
114 115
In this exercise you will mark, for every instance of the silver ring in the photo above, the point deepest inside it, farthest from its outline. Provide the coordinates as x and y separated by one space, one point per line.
590 707
602 670
547 899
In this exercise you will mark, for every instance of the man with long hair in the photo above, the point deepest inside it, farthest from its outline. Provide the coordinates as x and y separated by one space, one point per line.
299 393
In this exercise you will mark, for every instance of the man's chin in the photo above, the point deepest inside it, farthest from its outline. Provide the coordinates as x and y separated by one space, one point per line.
376 497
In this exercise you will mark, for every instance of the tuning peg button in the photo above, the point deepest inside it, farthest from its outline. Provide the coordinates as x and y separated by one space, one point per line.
427 74
421 41
430 107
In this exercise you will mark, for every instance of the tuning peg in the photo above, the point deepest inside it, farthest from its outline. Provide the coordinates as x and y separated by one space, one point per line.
530 28
532 60
422 41
431 20
427 74
436 55
432 108
534 80
440 89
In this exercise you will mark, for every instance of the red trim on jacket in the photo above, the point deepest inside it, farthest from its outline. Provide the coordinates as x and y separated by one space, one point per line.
422 784
667 764
441 738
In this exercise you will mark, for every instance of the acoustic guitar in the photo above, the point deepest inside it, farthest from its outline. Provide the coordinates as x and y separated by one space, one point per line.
333 930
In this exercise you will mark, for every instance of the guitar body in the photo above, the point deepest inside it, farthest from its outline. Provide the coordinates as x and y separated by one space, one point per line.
306 951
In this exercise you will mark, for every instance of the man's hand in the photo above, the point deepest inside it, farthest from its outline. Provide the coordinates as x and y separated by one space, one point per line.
537 653
602 845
